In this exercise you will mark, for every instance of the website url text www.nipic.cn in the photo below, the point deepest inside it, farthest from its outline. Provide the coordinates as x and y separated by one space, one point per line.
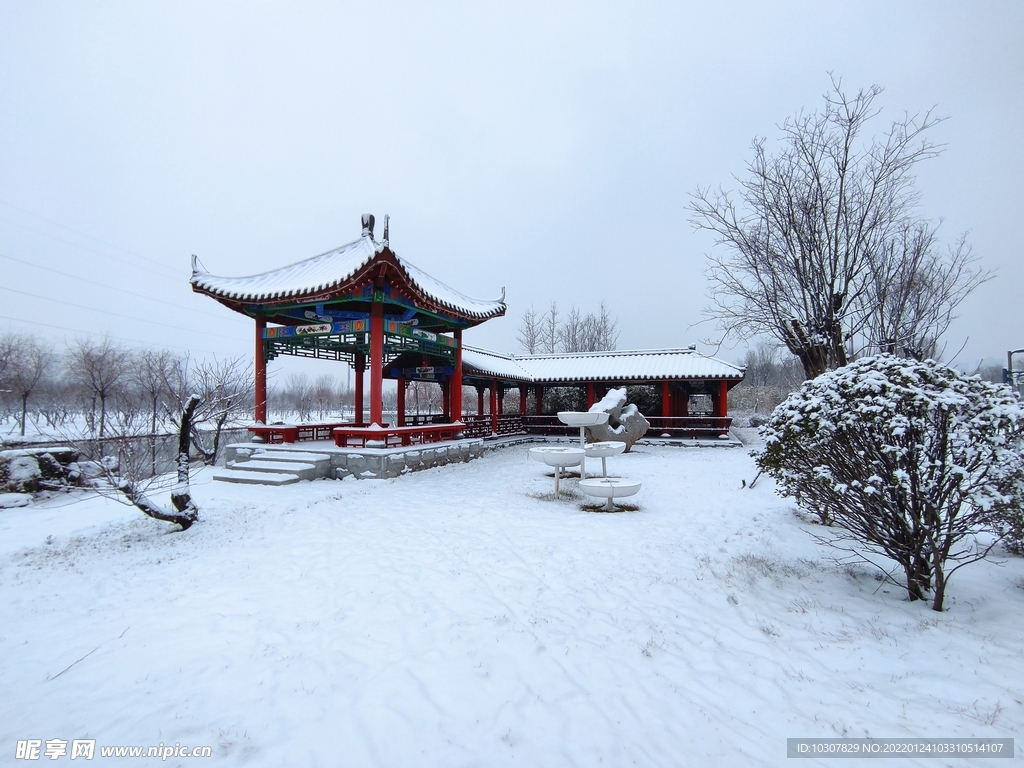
53 749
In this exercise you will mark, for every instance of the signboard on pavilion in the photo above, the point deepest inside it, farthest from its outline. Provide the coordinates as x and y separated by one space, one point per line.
318 329
424 372
392 327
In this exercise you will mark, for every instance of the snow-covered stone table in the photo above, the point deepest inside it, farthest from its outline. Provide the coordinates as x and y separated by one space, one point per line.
558 456
582 419
603 450
610 488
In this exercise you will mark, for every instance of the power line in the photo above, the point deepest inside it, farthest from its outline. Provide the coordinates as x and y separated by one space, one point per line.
139 342
135 294
106 312
77 232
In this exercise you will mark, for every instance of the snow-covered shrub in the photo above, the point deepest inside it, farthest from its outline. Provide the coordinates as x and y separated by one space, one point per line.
20 473
908 459
35 470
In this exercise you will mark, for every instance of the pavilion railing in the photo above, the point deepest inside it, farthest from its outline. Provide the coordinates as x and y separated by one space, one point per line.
419 419
674 426
481 426
689 426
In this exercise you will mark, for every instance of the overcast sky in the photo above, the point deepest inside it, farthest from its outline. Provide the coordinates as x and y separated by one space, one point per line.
548 148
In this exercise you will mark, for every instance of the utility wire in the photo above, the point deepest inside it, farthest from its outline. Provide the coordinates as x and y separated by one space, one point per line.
114 314
139 342
77 232
233 315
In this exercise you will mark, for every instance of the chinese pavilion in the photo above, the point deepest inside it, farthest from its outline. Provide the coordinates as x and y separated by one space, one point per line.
364 305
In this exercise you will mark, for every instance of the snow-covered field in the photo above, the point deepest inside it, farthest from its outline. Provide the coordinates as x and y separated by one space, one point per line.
461 616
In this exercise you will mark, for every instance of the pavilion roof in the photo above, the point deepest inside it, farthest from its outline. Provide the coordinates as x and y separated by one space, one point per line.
312 278
614 366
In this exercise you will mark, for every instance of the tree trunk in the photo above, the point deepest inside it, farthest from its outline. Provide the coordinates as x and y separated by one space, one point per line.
181 497
189 514
152 437
186 513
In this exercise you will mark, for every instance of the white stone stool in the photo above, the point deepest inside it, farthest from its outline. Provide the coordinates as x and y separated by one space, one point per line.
603 450
610 488
558 456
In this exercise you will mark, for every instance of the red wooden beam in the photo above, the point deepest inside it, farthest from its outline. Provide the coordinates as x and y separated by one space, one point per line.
494 406
456 382
377 363
401 401
260 373
360 366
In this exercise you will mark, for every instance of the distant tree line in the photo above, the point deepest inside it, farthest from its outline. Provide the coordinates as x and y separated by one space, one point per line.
99 389
549 333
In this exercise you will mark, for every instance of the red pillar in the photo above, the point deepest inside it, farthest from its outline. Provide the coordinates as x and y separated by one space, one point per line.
522 400
456 383
538 396
401 401
360 366
261 373
494 406
590 395
479 401
377 363
723 398
666 399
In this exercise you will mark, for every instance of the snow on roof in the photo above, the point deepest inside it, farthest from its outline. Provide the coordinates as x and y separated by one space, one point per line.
494 364
617 365
330 270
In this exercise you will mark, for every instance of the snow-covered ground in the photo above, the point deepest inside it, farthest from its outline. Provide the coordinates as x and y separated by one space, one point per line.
461 616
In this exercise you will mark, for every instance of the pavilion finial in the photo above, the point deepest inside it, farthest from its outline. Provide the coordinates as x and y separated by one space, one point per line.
386 236
368 221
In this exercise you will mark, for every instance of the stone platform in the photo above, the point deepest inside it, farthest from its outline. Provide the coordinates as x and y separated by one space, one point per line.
319 459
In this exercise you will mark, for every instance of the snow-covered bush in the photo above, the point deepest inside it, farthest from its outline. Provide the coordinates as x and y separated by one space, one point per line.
912 460
19 473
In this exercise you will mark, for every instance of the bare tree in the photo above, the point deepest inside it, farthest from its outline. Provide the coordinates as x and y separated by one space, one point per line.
530 331
152 371
812 225
223 388
769 376
601 331
27 363
915 289
299 391
576 333
128 478
99 369
572 333
550 330
324 394
8 343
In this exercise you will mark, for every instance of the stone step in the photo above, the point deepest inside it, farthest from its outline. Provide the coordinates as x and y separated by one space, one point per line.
322 461
279 455
231 475
300 469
